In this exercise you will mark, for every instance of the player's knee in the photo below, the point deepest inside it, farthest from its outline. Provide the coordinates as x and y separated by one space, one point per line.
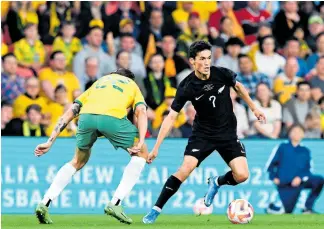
77 164
241 176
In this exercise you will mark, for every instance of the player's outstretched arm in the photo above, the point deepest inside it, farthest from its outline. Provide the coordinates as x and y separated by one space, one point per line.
166 126
66 118
243 93
140 113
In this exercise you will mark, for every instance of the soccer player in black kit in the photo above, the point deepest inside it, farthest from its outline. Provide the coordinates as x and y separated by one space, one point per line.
214 128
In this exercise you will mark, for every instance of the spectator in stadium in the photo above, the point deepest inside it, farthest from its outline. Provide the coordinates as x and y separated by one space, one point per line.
51 20
127 26
124 11
249 78
30 50
272 110
92 11
196 31
164 107
250 18
174 63
127 43
312 59
285 83
93 48
264 30
156 82
304 48
92 68
292 49
19 15
151 35
225 9
317 82
12 85
31 96
315 27
230 60
30 127
267 60
6 116
173 133
289 168
241 116
67 43
296 109
186 129
56 74
287 21
181 15
57 109
313 125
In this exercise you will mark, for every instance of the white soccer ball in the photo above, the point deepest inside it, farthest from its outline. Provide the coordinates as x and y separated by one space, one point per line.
200 208
240 211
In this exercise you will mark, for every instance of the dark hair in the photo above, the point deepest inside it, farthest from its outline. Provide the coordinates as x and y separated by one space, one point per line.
125 72
120 52
5 104
319 35
66 23
60 87
262 39
223 19
52 56
321 100
301 83
35 107
295 126
291 39
243 56
4 57
93 28
197 47
126 35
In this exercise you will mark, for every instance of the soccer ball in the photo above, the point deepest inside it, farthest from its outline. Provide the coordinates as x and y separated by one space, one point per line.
240 211
200 208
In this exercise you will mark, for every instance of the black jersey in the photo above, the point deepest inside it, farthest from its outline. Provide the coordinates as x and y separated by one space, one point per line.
215 118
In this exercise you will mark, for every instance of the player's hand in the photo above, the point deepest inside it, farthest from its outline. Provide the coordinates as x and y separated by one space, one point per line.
296 182
42 149
152 156
260 116
276 181
135 149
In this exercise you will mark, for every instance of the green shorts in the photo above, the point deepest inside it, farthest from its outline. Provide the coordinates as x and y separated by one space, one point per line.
120 132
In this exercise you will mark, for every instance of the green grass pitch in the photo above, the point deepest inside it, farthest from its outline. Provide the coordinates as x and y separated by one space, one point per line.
164 221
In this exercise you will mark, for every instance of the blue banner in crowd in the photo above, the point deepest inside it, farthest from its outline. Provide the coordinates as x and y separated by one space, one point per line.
25 177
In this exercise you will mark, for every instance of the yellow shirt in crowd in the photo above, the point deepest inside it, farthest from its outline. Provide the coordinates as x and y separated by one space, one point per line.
28 54
68 79
285 88
4 49
111 95
23 101
56 110
204 8
69 49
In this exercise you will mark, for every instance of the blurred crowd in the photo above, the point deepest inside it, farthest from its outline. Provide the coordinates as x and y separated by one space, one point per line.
53 51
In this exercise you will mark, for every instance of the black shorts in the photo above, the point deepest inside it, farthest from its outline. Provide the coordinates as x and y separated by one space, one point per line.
201 148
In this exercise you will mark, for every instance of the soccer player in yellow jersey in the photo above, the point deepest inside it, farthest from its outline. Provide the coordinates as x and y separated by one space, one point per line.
103 110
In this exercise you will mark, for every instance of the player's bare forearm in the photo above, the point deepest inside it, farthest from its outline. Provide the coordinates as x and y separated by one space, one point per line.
64 120
243 93
141 116
166 126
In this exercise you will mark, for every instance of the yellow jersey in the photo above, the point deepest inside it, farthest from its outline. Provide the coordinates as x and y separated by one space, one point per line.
111 95
26 53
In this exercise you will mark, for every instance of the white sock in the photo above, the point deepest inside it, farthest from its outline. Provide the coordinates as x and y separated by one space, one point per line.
61 180
130 177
